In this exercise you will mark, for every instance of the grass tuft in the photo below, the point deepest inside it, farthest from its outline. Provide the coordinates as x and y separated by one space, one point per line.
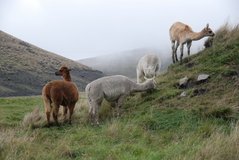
34 119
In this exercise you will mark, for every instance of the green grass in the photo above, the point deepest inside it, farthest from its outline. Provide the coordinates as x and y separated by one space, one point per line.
156 125
150 133
13 109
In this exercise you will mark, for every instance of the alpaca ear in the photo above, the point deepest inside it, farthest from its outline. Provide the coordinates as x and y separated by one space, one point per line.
207 26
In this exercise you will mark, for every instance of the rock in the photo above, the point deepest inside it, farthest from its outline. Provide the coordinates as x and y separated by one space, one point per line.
202 78
183 82
183 94
199 91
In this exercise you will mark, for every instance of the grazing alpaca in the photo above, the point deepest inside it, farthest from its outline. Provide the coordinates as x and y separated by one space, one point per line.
181 33
148 67
60 92
113 89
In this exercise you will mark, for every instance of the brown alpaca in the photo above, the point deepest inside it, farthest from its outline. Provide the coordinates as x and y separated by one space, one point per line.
60 92
181 34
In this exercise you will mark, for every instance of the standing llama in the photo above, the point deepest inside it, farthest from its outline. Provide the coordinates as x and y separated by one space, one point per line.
148 67
114 89
60 92
181 34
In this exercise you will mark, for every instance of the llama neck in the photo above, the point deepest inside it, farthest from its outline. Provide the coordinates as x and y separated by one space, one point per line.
66 77
139 87
196 35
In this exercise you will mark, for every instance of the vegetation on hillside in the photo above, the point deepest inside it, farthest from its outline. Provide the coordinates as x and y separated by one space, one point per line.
157 125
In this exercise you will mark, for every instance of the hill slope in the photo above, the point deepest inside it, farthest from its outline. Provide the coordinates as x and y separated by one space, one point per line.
123 63
157 125
25 68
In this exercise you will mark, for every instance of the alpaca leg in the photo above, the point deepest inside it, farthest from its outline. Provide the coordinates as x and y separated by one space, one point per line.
48 109
55 113
71 110
113 106
181 50
97 107
119 104
189 46
93 112
138 76
175 51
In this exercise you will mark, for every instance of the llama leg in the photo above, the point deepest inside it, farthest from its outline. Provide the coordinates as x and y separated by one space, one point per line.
48 108
175 51
189 46
181 50
173 48
55 113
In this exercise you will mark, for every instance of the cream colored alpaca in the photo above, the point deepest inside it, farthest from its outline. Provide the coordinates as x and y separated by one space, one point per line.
181 34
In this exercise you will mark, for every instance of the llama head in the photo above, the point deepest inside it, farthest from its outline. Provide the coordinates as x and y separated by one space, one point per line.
208 31
150 83
63 71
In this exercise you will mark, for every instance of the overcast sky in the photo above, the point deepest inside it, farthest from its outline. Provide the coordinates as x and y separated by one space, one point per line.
78 29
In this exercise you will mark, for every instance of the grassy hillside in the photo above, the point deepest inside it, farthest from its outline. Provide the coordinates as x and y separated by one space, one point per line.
157 125
123 63
25 68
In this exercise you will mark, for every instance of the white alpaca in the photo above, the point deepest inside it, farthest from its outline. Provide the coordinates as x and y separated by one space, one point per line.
113 89
148 67
181 34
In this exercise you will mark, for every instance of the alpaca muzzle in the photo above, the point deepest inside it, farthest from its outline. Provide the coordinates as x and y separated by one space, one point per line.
58 73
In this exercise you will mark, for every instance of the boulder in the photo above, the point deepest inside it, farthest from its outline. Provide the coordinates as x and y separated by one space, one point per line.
183 82
183 94
202 78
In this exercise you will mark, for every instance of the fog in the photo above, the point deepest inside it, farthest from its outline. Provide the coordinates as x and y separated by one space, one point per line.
79 29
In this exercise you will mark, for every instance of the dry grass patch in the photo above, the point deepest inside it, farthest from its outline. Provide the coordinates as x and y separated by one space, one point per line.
34 119
220 146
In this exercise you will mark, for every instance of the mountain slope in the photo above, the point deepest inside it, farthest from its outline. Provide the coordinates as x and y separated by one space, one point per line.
123 63
163 125
25 68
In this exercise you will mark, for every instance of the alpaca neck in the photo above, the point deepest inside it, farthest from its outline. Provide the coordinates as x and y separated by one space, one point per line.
66 77
139 87
196 35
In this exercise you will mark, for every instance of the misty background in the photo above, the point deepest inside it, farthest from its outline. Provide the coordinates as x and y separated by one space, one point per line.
79 29
111 35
